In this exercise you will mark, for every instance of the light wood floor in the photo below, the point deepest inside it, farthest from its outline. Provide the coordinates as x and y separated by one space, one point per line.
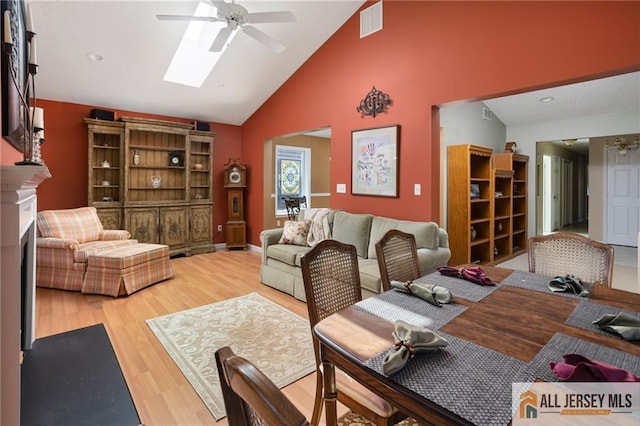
162 395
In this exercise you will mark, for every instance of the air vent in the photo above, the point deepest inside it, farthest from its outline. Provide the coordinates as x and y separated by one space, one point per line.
486 113
371 20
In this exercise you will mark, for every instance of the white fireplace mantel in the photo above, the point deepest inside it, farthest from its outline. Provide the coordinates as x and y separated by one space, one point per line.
17 315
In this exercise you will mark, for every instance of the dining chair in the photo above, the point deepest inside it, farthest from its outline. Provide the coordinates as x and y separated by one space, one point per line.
397 255
332 282
565 253
250 397
293 205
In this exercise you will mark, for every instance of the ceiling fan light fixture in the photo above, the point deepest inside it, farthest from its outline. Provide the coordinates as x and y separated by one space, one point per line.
570 142
623 147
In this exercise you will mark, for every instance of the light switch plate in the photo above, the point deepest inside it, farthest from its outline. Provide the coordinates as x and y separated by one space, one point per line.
341 188
417 189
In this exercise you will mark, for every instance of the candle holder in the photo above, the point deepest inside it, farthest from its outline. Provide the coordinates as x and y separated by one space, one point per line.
32 119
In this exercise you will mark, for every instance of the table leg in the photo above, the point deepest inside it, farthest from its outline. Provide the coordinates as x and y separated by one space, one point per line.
330 393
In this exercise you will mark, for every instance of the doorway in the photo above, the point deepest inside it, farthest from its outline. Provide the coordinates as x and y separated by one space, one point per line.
317 143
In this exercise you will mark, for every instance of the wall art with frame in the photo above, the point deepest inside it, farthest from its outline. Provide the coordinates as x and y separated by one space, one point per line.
12 110
374 161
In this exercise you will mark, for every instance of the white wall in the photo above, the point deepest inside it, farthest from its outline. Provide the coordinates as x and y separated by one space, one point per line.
584 127
463 123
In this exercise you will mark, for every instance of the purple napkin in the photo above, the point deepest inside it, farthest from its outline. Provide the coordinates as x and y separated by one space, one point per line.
473 274
577 368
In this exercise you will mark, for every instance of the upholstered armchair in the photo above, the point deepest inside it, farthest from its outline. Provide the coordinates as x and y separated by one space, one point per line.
65 240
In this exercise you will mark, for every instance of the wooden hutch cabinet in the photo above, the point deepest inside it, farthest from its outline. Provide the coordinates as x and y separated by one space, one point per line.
164 181
105 170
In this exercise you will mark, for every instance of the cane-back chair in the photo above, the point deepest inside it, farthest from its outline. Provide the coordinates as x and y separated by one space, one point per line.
332 282
397 256
250 398
566 253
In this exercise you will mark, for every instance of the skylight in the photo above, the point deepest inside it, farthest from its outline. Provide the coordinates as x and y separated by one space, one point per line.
193 62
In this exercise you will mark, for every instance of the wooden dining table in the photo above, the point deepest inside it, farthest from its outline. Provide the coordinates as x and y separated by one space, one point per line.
513 321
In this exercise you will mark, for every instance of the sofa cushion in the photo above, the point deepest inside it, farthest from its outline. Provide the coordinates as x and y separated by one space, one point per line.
287 253
81 224
370 275
426 233
350 228
295 232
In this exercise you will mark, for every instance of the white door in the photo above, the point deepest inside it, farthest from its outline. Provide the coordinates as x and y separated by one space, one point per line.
623 198
555 193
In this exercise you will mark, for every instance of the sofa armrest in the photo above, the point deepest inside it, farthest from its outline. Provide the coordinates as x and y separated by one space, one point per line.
443 238
56 252
269 237
114 234
57 243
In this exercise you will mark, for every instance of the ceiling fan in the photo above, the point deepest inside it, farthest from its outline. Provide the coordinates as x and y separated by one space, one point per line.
237 16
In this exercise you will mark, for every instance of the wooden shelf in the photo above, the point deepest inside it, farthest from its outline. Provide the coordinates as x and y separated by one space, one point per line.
503 172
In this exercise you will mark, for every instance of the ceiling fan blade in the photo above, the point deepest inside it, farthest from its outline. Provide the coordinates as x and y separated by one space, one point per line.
269 17
263 38
221 39
225 8
189 18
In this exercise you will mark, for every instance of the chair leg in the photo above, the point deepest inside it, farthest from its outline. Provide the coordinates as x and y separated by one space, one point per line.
319 399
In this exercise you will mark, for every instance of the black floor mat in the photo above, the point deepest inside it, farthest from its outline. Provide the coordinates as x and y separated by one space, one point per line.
74 378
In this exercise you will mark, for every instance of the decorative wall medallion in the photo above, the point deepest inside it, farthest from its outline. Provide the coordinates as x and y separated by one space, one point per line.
374 103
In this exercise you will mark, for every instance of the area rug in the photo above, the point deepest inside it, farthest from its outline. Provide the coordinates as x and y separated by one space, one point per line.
273 338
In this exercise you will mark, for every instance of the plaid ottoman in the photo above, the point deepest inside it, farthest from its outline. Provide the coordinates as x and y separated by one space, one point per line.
124 270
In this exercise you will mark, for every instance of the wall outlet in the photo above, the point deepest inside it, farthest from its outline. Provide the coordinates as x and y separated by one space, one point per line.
219 228
341 188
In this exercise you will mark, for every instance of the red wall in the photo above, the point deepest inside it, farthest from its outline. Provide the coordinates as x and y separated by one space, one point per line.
65 153
431 53
428 53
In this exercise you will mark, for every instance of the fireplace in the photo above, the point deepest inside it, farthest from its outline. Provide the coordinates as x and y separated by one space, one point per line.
17 281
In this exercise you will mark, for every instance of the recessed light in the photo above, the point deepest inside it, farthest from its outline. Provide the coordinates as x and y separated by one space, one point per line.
546 99
95 56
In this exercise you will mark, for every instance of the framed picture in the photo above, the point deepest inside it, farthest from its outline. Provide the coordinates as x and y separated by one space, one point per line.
374 161
12 127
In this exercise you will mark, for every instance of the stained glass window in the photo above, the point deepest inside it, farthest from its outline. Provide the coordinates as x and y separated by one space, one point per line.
292 174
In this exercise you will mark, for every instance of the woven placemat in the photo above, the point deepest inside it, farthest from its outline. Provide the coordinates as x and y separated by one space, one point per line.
537 282
458 286
586 312
450 376
396 305
561 344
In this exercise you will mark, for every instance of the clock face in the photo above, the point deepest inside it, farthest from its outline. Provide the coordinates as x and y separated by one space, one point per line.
175 160
234 177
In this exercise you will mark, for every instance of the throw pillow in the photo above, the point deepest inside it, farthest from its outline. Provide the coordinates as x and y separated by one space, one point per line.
295 232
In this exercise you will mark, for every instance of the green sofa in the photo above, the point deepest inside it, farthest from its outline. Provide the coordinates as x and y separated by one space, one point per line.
281 269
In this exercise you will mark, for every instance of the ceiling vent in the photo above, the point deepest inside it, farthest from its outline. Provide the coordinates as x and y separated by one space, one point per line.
371 19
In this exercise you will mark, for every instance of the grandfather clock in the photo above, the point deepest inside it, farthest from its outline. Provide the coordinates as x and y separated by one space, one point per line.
235 180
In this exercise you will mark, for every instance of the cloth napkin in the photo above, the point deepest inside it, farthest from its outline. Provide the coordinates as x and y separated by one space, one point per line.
577 368
474 274
410 340
433 294
627 326
569 284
